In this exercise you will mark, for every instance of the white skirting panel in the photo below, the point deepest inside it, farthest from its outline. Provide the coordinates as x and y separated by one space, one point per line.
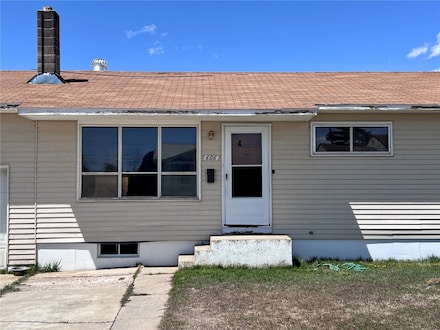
84 256
365 249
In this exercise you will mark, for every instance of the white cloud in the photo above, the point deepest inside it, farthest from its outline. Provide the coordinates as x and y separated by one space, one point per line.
435 50
436 70
157 49
415 52
151 29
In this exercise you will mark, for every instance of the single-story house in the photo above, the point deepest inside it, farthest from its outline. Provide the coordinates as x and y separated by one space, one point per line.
103 169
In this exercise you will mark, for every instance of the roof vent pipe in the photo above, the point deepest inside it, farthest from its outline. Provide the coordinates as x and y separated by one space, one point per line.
98 64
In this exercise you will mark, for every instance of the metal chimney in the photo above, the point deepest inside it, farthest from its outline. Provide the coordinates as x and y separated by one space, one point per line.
48 38
98 64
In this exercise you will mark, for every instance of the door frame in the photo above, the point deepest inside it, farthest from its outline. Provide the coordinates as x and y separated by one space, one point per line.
263 229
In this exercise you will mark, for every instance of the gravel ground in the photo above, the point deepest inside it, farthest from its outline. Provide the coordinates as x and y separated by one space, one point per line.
60 281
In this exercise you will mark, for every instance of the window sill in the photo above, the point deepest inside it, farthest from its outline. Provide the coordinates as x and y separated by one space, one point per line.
119 256
138 199
352 154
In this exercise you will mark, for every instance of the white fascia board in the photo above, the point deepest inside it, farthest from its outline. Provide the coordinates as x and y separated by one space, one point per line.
8 110
179 115
402 108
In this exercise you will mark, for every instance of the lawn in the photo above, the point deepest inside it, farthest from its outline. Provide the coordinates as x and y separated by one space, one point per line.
386 295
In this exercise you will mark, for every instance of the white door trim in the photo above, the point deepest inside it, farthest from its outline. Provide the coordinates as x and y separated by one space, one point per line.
267 161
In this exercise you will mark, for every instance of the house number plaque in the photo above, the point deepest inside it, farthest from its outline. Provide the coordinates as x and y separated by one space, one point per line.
211 157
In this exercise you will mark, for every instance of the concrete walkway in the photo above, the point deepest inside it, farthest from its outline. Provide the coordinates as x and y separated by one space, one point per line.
88 299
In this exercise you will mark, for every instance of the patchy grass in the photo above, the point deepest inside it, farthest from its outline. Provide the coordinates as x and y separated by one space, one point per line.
14 285
129 292
50 267
388 295
33 269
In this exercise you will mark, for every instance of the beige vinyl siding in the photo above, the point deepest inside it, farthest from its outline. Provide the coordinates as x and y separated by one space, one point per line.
61 218
57 162
21 234
56 223
399 220
56 183
336 197
17 145
314 196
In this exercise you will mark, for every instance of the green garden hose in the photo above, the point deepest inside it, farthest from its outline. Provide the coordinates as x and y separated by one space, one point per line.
346 266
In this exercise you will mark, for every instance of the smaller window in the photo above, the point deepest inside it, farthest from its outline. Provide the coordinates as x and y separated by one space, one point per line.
357 138
115 249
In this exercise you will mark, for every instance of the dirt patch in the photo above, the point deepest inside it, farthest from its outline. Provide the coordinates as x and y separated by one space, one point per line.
296 308
100 279
364 303
433 281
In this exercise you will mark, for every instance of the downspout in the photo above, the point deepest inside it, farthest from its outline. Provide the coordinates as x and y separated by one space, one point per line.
35 188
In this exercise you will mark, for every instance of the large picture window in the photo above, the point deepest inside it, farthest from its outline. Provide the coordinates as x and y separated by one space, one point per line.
123 162
356 138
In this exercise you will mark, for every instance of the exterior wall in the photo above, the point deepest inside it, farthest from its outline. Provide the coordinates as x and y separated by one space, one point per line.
314 198
75 256
56 183
4 207
17 145
369 249
358 197
63 219
43 198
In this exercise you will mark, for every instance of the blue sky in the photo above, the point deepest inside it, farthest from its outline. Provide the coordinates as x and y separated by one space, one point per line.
230 35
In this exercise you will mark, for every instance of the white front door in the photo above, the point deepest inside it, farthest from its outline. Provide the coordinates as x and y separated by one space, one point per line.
247 179
3 214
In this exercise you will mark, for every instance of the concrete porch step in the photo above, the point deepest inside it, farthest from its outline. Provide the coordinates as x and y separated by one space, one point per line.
241 250
185 261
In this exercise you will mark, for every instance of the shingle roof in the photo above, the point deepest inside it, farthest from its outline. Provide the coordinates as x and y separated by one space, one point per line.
215 90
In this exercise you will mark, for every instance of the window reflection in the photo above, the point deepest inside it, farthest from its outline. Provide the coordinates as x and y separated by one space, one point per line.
100 149
370 138
179 185
99 186
246 149
352 139
332 138
139 149
179 149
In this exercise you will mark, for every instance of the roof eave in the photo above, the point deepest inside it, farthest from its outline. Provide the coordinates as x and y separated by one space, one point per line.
174 114
375 108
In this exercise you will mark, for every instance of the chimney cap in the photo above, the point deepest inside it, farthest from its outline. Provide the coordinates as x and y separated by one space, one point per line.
47 8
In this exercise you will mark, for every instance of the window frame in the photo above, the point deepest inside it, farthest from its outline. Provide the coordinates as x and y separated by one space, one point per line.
118 254
351 125
120 173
